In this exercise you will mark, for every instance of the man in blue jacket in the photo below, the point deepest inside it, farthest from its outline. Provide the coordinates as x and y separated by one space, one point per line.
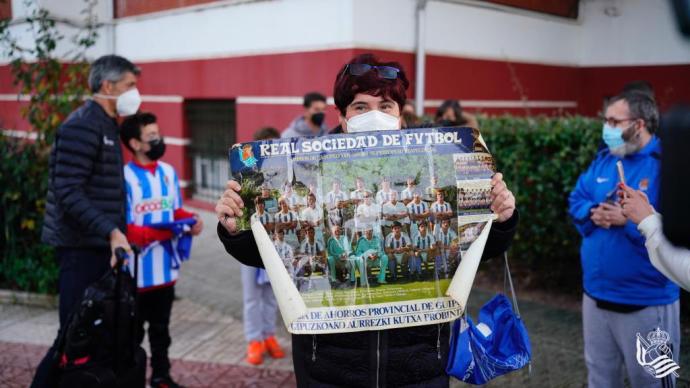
623 293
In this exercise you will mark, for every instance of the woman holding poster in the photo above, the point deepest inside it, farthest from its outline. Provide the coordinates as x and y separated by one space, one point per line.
369 95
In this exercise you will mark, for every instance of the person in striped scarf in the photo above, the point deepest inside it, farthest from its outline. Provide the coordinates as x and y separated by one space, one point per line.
424 244
153 198
398 245
445 237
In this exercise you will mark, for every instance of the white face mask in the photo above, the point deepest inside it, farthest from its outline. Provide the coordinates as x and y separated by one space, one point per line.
127 103
374 120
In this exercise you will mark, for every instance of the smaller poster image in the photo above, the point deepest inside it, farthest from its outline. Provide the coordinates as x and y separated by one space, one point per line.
474 200
473 166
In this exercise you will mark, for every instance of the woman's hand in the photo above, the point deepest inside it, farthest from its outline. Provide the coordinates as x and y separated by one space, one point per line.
229 206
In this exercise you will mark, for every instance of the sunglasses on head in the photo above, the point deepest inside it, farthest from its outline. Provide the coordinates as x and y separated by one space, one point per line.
387 72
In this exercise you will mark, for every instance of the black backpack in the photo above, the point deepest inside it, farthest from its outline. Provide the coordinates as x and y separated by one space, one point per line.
99 346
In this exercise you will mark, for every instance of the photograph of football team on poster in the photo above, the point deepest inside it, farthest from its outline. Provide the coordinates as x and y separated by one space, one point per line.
367 225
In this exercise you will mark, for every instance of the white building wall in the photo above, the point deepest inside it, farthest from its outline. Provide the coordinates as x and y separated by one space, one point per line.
237 29
501 34
642 33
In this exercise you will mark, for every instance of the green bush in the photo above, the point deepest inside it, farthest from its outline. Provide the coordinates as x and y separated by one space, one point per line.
55 86
541 159
26 263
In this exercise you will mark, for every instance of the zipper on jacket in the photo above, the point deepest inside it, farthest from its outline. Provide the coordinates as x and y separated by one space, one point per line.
438 342
313 348
378 356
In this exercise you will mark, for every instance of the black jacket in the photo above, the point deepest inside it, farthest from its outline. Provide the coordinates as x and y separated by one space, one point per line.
86 192
414 356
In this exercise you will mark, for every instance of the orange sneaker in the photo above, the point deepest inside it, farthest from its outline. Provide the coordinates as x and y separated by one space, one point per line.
255 352
273 348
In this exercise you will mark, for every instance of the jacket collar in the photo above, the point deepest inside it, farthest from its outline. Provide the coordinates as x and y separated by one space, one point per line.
150 167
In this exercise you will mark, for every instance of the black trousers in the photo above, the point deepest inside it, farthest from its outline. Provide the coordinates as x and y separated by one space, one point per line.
79 268
155 307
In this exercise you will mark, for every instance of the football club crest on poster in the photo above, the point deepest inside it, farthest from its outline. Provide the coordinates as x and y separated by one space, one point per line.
247 155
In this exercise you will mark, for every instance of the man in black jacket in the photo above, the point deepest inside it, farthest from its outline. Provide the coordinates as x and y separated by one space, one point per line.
414 356
85 212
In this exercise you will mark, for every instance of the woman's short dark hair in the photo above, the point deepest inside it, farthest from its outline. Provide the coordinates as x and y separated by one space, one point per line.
347 86
131 127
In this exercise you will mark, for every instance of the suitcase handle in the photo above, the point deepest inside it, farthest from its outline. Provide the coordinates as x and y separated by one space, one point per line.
121 256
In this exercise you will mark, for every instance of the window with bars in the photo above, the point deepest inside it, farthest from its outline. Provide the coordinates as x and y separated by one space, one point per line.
212 128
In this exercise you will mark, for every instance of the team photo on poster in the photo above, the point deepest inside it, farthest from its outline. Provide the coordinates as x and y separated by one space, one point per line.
369 219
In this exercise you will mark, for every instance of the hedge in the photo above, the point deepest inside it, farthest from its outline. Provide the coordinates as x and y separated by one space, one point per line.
541 159
26 264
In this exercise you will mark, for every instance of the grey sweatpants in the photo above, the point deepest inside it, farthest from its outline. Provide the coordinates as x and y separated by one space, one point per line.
610 342
260 307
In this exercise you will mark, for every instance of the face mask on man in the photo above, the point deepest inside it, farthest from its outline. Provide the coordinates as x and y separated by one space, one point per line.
157 149
317 118
127 103
374 120
613 136
615 139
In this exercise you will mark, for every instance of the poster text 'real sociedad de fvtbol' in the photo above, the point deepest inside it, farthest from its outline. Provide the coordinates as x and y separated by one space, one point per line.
368 231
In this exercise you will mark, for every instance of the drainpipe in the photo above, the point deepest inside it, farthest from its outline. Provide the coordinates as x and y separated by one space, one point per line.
111 27
420 58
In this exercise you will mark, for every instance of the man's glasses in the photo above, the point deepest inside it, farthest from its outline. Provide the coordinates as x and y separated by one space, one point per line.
387 72
614 122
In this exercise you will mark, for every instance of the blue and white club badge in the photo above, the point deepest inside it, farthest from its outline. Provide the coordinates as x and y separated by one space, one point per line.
654 354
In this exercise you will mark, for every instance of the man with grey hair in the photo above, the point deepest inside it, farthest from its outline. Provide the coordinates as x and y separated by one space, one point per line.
85 213
630 311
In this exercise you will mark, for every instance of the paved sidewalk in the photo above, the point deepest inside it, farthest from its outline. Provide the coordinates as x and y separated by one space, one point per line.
207 350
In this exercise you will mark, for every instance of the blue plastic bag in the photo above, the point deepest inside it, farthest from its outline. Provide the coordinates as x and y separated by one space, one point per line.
497 345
